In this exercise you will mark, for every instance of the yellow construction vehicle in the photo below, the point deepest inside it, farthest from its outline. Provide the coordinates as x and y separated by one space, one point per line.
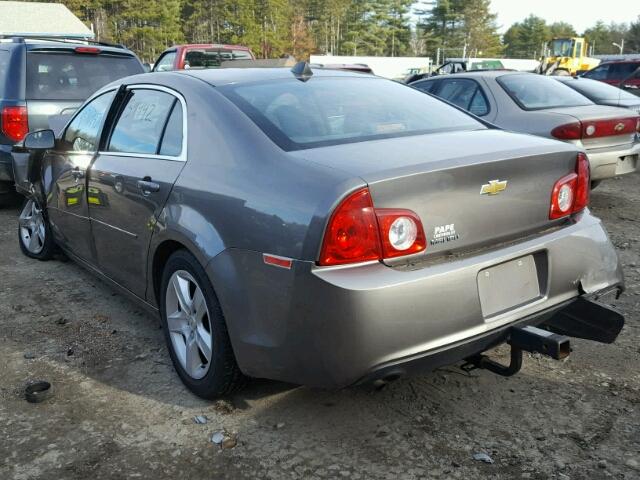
567 56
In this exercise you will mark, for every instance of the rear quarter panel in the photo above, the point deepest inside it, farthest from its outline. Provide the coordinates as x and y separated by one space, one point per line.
238 190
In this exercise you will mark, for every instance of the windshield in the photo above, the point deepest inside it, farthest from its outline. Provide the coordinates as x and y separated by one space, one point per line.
212 58
68 76
600 91
562 47
335 110
536 92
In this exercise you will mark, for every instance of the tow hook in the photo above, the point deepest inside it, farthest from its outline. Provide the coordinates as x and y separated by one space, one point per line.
529 339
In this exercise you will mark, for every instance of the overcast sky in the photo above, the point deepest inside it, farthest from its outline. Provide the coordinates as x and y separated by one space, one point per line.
580 13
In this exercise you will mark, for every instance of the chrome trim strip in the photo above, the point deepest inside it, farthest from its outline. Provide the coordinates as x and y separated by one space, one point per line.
114 228
183 154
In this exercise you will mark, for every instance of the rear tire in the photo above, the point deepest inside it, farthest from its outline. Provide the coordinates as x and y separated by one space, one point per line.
34 232
195 329
595 183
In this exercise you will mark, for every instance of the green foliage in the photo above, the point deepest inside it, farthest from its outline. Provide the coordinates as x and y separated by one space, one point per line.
458 27
274 28
528 38
601 37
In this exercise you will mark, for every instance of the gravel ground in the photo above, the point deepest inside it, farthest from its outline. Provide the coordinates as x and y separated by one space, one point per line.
119 410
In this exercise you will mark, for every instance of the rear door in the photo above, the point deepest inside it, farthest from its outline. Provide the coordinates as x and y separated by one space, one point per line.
60 79
130 180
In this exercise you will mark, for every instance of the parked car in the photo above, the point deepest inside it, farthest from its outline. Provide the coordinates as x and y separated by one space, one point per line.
40 78
601 93
540 105
285 226
621 73
184 57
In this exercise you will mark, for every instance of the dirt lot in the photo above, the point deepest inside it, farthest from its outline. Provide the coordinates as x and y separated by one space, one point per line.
119 411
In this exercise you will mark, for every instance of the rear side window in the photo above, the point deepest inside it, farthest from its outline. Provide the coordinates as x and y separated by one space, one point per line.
172 137
466 94
70 76
141 123
83 133
4 69
342 109
537 92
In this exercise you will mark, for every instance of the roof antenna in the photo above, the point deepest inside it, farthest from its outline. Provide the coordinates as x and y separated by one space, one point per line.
302 71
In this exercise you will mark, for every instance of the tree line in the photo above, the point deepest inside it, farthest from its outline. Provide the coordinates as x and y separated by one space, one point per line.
274 28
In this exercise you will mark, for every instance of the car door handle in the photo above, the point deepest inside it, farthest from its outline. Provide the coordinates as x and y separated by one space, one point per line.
77 173
147 186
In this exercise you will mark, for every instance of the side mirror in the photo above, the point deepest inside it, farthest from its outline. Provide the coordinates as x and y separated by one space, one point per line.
40 140
147 67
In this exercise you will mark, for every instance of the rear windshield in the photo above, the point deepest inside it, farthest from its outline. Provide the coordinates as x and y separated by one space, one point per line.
334 110
536 92
212 58
68 76
600 91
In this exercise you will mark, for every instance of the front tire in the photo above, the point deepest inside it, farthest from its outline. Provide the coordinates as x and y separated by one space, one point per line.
195 329
34 232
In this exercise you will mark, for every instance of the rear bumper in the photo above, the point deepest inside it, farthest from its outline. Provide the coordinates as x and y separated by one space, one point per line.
331 327
614 161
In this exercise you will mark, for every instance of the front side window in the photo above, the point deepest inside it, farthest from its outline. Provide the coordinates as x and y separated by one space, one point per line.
537 92
599 91
141 123
83 133
165 63
465 94
598 73
342 109
71 76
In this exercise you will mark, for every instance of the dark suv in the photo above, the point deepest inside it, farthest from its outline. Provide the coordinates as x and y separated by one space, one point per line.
41 77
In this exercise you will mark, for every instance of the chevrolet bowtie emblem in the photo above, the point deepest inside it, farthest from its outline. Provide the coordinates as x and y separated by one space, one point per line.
494 187
619 127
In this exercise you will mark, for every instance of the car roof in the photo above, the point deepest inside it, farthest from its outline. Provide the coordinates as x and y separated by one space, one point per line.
477 73
226 76
209 45
62 43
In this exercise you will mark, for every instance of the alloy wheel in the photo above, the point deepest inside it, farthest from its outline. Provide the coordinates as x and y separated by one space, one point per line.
189 324
32 228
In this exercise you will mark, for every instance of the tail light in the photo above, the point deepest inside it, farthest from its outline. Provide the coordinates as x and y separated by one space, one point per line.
571 193
14 123
89 50
596 128
570 131
358 232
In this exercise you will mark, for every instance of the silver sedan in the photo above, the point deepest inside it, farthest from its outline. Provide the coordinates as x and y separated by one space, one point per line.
540 105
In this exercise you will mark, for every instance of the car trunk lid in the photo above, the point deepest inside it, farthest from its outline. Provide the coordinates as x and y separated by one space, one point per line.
610 124
470 189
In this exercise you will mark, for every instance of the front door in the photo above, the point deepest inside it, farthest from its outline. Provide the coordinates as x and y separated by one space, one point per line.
64 177
130 181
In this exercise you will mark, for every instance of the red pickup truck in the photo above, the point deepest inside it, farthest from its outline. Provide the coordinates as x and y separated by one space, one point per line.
208 55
